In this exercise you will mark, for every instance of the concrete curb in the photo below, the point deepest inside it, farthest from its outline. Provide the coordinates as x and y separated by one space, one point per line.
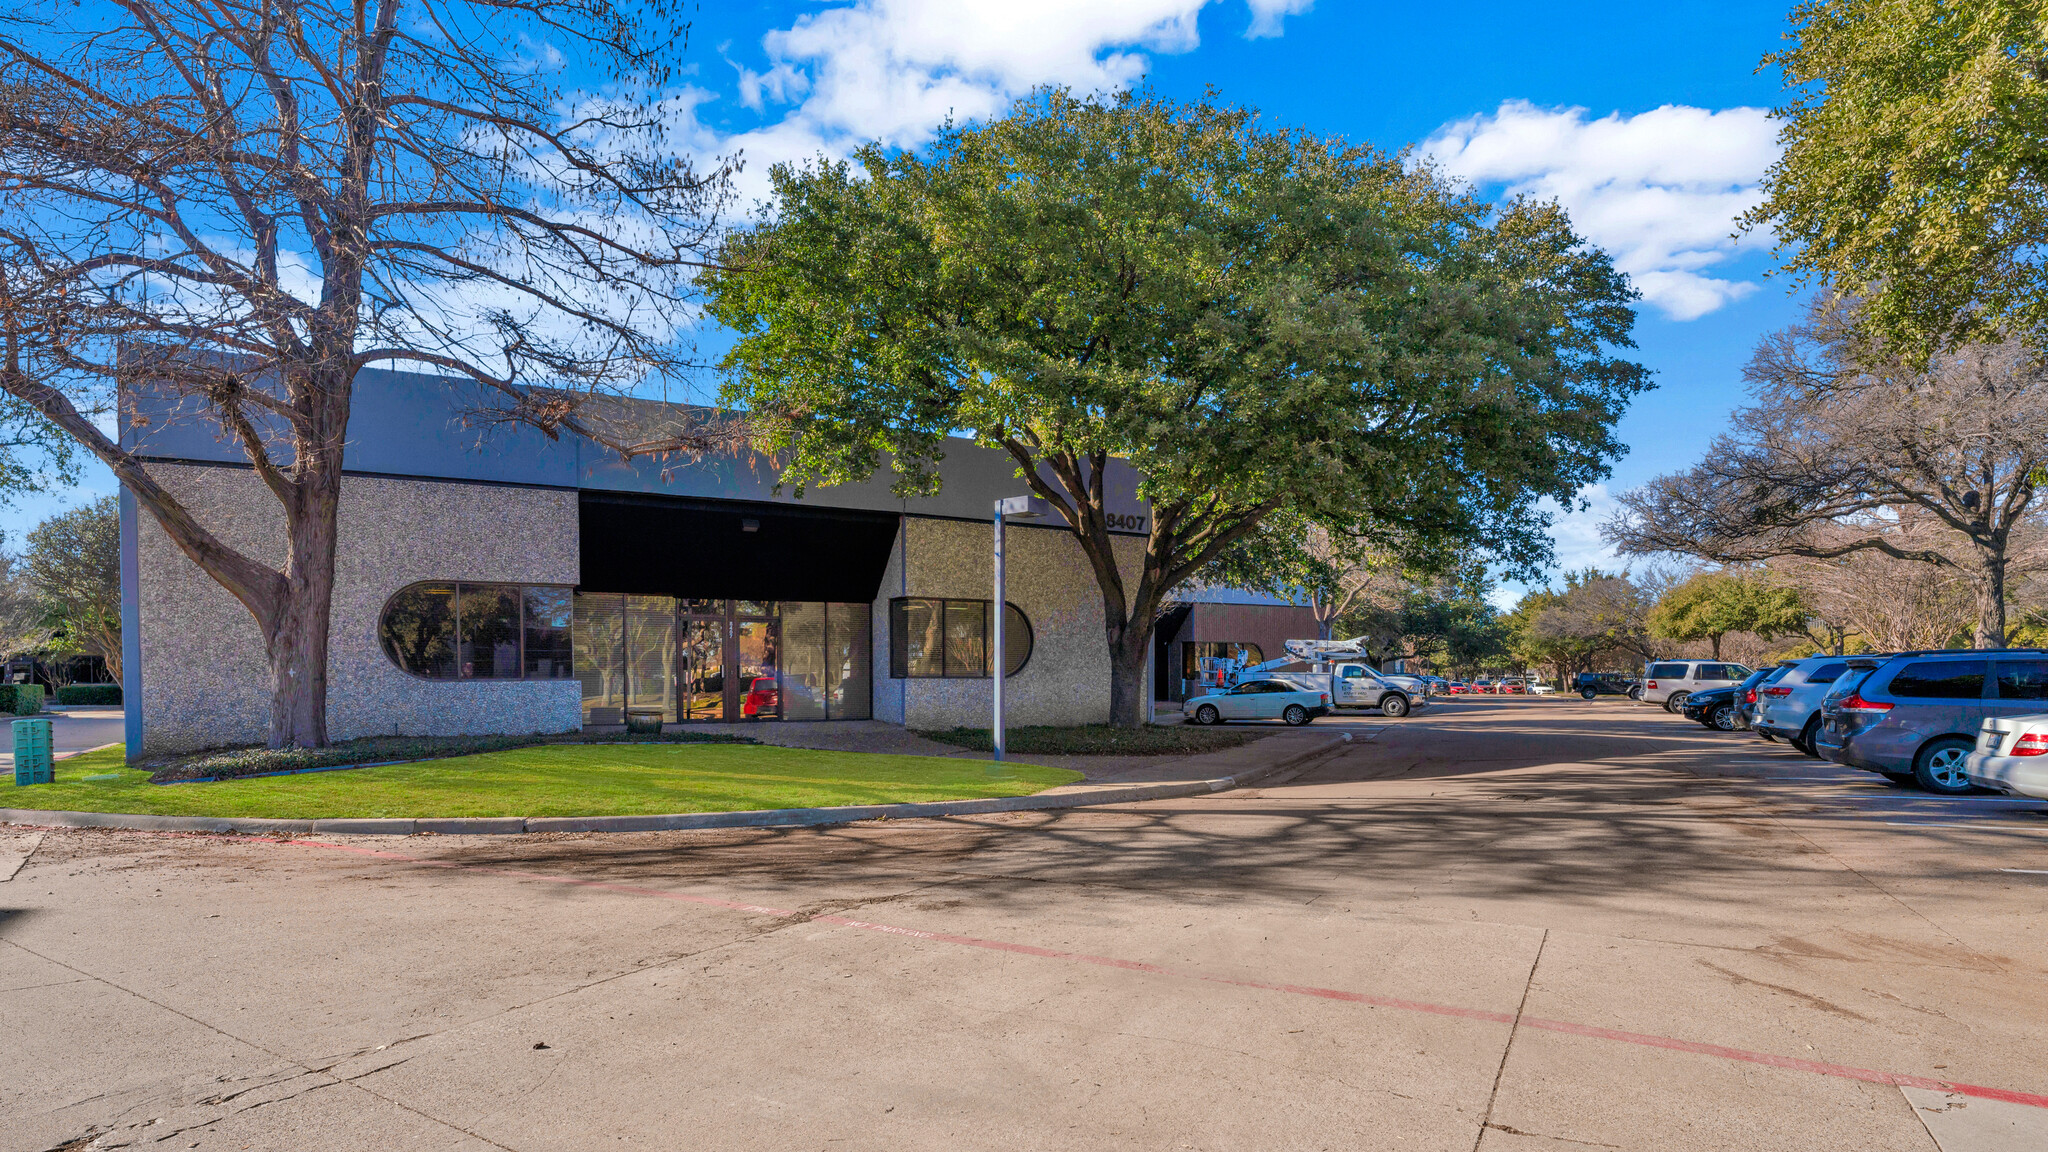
767 818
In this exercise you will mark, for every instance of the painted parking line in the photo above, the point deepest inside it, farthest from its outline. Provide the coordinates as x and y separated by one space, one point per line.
1566 1027
2027 871
1980 824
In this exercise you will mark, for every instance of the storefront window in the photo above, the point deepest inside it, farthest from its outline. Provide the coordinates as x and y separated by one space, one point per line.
550 649
949 638
418 628
490 632
1193 652
791 661
451 631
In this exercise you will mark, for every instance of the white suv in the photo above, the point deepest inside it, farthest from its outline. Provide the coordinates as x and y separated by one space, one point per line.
1669 682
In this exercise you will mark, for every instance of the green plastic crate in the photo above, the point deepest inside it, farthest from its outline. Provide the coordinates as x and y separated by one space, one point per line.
33 761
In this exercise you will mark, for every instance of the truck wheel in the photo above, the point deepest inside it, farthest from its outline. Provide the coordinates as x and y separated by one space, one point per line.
1636 694
1587 693
1939 767
1393 705
1675 701
1295 715
1207 714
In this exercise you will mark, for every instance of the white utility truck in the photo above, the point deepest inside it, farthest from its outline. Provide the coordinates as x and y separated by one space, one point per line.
1350 683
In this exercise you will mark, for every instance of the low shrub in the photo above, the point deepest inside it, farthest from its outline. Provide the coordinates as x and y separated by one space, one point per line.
82 694
228 763
21 699
1100 740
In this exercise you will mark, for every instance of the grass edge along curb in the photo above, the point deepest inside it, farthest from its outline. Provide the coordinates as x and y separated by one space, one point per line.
763 818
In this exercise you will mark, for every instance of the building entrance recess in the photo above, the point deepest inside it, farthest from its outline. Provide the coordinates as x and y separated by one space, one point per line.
713 659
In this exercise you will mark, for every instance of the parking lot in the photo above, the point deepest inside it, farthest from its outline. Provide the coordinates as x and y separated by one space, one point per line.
1501 923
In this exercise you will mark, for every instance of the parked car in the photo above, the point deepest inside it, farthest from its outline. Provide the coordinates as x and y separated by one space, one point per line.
2011 755
761 699
1788 708
1725 709
1509 686
1591 684
1669 682
1538 688
1917 716
1260 700
1458 688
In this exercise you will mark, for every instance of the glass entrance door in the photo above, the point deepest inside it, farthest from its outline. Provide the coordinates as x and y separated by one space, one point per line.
756 652
703 677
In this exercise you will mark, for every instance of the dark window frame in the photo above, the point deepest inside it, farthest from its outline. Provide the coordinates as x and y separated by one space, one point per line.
899 664
519 588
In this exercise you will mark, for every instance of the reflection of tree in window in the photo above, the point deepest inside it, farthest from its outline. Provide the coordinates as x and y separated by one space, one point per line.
922 622
490 632
949 638
419 630
550 651
966 638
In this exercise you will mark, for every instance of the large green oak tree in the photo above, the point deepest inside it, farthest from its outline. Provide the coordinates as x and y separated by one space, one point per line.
1257 320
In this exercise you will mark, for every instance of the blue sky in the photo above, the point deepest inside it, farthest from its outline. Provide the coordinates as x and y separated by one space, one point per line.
1645 120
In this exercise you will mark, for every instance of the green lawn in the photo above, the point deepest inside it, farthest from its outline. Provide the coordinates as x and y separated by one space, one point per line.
549 780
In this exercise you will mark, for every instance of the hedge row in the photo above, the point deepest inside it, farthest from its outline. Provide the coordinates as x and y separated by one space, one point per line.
71 694
21 699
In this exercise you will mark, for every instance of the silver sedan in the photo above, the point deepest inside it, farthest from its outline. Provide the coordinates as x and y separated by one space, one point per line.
1260 700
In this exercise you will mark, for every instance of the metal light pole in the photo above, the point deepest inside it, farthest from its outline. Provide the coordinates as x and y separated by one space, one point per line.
1021 508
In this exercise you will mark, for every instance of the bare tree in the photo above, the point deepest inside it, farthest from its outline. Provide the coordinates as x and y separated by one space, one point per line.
1840 440
1891 604
238 205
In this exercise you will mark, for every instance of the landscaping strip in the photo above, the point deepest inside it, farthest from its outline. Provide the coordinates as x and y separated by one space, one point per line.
1079 797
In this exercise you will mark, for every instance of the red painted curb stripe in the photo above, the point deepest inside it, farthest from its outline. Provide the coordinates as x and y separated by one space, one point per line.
1566 1027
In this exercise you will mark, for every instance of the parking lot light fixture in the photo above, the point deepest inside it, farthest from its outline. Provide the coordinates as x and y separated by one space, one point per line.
1014 508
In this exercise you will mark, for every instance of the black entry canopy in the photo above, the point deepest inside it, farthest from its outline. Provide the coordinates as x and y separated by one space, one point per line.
663 546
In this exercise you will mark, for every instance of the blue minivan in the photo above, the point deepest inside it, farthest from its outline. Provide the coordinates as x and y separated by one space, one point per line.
1913 716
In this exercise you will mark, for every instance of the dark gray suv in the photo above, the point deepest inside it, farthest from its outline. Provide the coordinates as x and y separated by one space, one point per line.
1915 715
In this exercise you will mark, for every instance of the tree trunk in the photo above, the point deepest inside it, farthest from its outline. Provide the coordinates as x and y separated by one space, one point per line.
1715 640
296 636
1991 601
1127 685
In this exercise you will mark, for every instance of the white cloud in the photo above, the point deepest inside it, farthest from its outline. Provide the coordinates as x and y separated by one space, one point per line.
1659 191
894 70
1269 15
1576 530
1576 533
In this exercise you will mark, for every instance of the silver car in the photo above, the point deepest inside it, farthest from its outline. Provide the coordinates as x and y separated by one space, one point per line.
1788 708
1260 700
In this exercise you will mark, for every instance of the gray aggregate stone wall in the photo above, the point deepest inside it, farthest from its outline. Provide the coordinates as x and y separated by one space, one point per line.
205 680
1065 682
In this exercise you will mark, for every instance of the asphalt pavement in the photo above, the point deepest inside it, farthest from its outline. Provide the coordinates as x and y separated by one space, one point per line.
1513 924
71 730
